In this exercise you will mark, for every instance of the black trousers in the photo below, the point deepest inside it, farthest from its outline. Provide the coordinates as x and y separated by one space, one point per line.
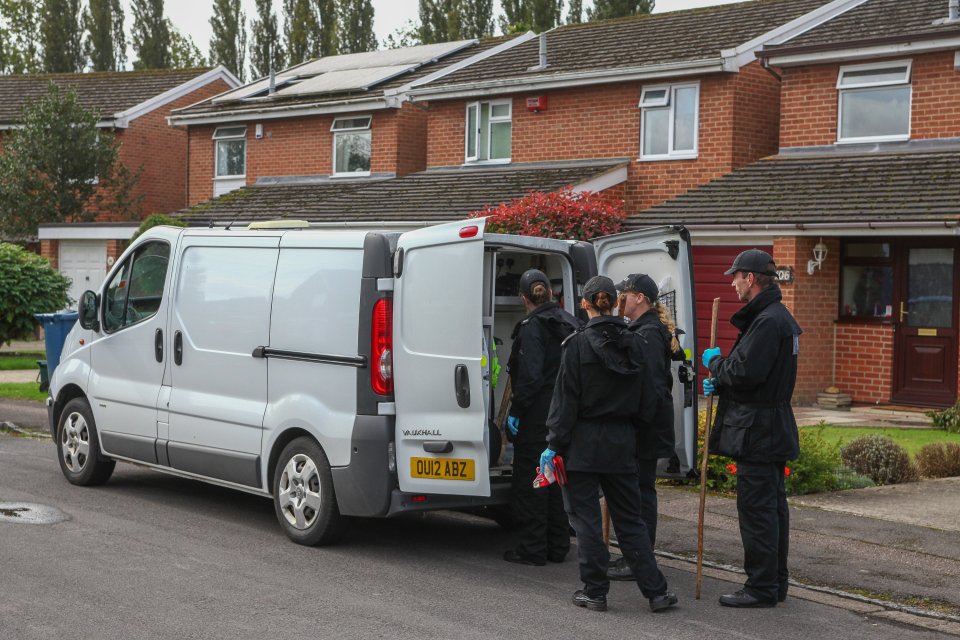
764 527
582 499
647 473
542 526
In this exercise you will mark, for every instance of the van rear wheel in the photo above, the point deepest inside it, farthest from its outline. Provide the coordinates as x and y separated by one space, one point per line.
303 495
79 446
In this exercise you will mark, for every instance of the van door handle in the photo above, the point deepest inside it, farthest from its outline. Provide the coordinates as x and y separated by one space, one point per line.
158 345
461 383
178 348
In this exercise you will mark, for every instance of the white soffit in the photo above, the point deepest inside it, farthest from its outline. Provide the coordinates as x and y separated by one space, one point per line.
343 80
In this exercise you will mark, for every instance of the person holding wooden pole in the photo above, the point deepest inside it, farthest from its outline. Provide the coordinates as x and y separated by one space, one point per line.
542 529
592 424
755 424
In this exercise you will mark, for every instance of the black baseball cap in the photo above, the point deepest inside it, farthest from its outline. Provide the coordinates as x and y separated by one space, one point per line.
530 277
599 284
753 260
641 283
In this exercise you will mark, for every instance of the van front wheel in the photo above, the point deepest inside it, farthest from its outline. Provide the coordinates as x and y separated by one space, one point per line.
79 447
303 496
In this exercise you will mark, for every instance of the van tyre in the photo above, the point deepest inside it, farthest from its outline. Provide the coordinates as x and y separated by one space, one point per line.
78 446
303 495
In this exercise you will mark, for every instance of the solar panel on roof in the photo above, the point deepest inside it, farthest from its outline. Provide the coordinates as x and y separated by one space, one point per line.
344 80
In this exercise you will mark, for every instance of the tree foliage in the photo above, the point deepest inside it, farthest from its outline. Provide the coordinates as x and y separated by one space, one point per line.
355 26
439 21
575 12
606 9
59 167
106 41
309 29
30 285
476 18
228 44
150 35
563 214
536 15
62 37
327 36
266 51
184 52
406 35
20 36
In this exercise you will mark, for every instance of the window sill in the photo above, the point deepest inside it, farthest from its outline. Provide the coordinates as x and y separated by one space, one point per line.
873 139
863 320
486 162
229 178
350 174
674 156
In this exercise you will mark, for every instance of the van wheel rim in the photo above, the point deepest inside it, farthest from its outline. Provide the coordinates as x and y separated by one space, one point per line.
75 442
299 492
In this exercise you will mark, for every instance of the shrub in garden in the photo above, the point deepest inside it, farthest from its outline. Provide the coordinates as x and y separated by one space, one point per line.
559 214
939 460
879 458
815 471
30 285
948 419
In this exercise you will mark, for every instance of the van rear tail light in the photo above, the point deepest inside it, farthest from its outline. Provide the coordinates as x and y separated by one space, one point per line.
381 347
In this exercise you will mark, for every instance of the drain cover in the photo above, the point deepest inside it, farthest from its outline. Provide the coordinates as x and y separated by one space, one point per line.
29 513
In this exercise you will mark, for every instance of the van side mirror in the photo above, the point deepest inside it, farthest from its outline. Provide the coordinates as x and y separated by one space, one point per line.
88 307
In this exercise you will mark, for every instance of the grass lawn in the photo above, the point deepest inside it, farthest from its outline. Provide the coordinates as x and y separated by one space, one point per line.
14 361
22 391
910 439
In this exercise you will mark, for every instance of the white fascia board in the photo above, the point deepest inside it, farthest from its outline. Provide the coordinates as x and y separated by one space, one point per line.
81 231
102 124
279 112
219 73
725 234
604 181
864 52
483 55
579 79
739 57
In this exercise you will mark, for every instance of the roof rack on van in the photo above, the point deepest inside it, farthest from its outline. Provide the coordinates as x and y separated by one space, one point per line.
278 224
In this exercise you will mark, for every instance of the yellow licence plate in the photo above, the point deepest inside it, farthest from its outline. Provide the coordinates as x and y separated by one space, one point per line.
442 468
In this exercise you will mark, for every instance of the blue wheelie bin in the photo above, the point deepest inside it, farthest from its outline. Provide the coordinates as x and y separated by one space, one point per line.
56 326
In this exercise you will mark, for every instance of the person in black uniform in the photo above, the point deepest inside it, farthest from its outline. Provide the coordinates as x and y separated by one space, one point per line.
592 424
755 424
538 514
655 439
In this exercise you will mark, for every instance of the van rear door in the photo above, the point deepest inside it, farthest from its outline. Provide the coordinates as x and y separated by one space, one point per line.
664 254
441 428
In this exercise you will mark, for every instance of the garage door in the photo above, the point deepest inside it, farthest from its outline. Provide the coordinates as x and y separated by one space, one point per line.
84 262
709 263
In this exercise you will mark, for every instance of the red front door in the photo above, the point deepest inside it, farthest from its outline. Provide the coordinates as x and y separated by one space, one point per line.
925 358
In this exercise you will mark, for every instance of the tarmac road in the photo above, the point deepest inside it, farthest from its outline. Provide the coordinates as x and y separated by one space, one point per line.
153 556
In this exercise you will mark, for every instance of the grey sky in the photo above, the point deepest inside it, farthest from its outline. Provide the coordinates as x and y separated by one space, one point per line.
192 17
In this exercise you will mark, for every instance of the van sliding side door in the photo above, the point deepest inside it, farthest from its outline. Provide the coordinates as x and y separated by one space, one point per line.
664 254
438 339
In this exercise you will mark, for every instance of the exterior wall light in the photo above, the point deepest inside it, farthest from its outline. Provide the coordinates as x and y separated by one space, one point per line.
819 255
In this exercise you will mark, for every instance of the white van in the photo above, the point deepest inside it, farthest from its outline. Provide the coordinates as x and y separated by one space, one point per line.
342 373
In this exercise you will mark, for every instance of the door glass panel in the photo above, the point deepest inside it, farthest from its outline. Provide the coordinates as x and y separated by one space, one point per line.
930 288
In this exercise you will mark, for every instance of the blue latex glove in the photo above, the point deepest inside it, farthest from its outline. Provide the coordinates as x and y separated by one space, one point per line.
710 354
546 459
513 425
709 386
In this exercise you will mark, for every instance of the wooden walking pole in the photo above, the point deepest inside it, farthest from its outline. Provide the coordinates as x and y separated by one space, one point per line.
505 401
704 453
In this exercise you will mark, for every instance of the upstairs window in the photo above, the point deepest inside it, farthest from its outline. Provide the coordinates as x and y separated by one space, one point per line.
231 151
668 121
351 145
489 131
874 102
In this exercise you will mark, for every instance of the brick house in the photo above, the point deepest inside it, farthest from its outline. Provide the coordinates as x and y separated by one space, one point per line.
861 203
133 105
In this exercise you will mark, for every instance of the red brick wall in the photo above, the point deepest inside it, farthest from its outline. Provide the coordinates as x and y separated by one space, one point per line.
604 122
813 301
809 101
161 150
865 361
304 146
50 249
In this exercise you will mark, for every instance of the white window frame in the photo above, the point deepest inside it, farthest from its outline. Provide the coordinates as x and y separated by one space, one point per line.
842 89
217 139
669 101
333 155
475 159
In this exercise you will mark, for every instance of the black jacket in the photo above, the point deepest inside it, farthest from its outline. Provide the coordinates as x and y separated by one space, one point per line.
596 407
755 383
533 365
655 438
